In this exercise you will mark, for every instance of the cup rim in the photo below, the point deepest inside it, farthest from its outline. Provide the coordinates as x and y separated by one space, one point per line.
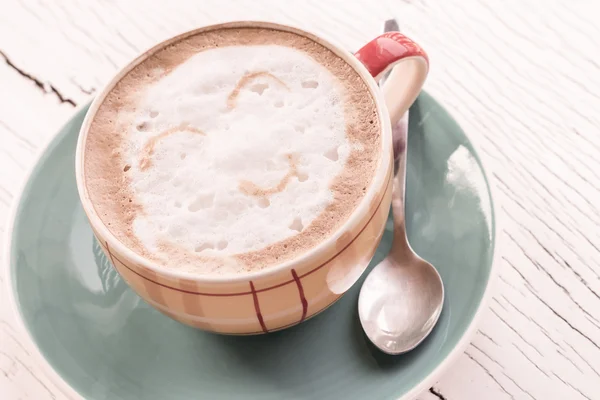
313 255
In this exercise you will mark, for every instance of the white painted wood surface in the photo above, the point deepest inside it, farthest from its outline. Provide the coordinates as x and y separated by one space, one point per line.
522 77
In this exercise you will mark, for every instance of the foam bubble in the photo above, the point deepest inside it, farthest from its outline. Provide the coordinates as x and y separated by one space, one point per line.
235 149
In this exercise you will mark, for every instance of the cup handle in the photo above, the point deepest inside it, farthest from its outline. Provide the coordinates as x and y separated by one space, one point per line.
410 67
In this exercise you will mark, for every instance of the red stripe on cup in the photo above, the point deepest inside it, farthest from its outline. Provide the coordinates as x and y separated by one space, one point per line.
301 293
257 308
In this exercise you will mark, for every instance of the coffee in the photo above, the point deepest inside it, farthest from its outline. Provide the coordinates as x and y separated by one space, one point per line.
232 150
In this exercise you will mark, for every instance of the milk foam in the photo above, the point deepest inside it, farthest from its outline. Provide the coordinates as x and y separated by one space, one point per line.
220 171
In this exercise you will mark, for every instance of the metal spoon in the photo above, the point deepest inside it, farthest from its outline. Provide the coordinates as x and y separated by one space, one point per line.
402 298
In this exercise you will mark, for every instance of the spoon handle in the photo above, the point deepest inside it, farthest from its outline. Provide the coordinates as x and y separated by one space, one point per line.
400 132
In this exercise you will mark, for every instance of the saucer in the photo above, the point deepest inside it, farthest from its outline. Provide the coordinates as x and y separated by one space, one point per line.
99 340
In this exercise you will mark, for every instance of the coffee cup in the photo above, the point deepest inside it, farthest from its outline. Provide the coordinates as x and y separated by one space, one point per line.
261 300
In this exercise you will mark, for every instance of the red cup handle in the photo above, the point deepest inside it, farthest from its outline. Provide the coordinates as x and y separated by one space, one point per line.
410 67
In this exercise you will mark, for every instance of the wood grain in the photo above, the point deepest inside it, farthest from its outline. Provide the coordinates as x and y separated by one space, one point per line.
521 77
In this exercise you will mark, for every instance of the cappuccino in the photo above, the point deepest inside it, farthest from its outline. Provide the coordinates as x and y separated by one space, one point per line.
232 150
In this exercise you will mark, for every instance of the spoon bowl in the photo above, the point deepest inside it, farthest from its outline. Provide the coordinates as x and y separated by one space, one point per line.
400 301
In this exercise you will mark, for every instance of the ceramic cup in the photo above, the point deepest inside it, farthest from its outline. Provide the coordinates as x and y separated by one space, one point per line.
284 295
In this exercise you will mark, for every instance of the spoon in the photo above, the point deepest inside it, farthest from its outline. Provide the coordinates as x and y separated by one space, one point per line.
402 297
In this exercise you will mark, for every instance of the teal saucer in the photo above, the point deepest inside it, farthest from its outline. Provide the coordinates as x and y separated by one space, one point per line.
101 341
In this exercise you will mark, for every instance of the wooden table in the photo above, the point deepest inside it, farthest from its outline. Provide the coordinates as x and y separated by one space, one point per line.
522 77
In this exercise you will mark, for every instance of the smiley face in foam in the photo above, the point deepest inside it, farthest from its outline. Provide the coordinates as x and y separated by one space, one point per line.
235 149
